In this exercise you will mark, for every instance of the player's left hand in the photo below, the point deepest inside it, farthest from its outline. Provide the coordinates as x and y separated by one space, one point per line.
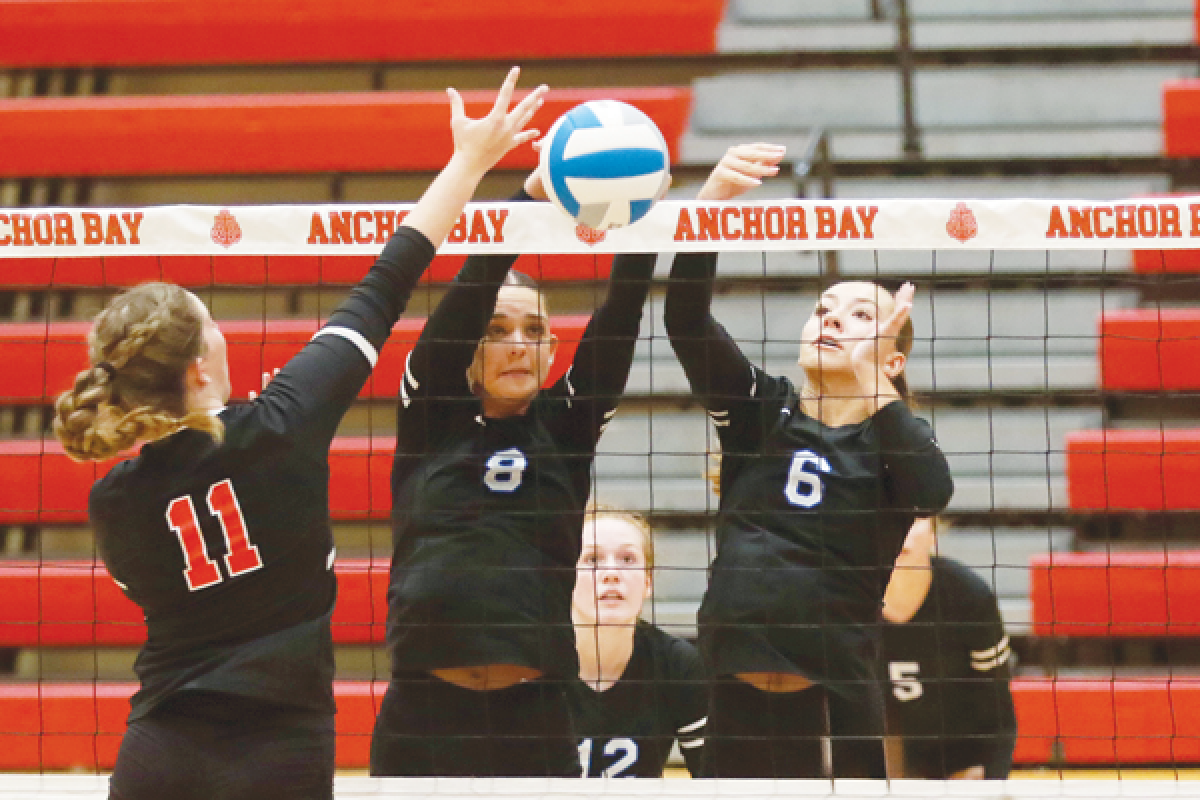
742 168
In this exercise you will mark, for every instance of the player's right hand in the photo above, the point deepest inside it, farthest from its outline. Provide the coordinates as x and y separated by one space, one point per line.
486 140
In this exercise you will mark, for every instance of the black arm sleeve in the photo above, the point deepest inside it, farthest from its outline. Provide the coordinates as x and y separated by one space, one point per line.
690 706
312 392
988 695
916 471
601 366
716 368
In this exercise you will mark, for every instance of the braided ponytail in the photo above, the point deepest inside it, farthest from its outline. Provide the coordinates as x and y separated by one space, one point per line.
140 346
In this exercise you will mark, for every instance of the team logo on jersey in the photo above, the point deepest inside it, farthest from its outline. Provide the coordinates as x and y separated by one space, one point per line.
225 230
588 236
962 224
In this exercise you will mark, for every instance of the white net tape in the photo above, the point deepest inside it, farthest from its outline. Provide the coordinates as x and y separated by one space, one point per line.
773 226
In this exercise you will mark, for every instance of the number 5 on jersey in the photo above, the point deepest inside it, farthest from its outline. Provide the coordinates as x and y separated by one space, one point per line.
240 555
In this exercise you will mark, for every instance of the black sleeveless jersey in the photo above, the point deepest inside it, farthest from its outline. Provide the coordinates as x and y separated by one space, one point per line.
626 731
949 669
227 547
488 513
811 517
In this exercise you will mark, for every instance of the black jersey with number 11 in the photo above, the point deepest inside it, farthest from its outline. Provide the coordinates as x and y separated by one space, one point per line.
227 547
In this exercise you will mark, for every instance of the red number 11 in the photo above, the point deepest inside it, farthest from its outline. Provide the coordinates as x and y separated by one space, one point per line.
240 556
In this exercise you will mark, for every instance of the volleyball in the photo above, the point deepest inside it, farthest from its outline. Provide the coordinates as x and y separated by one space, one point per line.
605 163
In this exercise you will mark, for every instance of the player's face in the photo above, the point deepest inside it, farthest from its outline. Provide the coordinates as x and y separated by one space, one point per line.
516 352
215 360
846 314
611 580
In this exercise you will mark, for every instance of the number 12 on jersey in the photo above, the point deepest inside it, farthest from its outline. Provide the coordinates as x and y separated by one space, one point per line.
240 555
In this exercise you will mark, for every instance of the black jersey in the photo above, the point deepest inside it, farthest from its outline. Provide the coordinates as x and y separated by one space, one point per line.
811 517
227 547
488 513
626 730
949 668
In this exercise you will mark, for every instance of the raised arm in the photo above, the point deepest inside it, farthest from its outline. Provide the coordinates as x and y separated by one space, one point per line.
715 366
313 391
600 369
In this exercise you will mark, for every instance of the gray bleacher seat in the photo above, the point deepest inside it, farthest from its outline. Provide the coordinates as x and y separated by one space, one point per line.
966 340
961 112
789 25
1063 187
1005 458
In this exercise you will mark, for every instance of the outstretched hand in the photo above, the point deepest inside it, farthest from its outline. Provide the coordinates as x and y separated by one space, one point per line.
742 168
485 141
866 354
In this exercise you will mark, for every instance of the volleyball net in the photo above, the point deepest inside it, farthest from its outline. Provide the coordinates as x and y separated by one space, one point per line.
1056 354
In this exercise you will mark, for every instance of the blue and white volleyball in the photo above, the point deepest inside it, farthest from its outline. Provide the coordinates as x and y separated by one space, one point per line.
605 163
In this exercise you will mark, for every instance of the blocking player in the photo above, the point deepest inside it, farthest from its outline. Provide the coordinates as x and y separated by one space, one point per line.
819 486
489 484
949 664
640 689
219 528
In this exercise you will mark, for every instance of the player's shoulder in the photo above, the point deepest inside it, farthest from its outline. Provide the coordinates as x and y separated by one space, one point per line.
111 487
960 585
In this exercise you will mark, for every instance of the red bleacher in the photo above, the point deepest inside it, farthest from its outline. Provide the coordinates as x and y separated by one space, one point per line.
1133 470
271 134
76 604
43 486
1181 118
197 272
1154 721
98 33
43 358
1116 594
1121 721
1150 349
1173 261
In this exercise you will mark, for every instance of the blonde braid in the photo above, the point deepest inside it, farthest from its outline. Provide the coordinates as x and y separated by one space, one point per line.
145 338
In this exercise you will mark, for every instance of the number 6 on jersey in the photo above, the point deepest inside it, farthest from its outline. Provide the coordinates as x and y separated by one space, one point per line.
804 487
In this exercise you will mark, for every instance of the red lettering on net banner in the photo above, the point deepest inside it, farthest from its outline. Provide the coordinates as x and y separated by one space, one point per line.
1159 224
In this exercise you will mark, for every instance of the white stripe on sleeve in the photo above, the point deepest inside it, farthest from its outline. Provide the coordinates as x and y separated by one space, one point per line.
353 336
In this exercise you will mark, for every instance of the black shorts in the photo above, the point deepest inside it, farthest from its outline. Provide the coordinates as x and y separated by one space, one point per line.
210 746
427 726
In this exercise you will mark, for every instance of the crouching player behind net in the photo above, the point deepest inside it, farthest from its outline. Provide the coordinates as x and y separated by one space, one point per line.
490 481
640 689
819 487
949 664
219 528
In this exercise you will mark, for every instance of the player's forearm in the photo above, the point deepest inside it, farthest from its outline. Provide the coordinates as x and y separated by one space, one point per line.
439 208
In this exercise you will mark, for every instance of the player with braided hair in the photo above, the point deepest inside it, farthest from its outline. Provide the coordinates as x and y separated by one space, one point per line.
219 528
143 334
